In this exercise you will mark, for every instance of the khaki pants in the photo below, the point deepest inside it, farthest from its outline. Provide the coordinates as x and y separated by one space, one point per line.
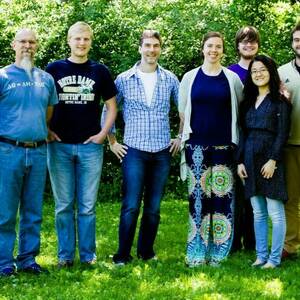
292 207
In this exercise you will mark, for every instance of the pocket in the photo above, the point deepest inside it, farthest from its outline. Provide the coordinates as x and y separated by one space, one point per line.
6 148
42 149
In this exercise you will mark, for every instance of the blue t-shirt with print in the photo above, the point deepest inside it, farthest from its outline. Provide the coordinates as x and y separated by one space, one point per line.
80 88
23 103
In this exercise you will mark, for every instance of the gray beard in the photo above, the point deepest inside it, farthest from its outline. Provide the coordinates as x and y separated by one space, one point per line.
27 65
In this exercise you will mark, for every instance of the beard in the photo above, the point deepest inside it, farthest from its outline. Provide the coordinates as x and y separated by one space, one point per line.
247 57
27 64
297 53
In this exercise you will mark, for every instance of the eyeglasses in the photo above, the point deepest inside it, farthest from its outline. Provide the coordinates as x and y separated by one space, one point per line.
260 71
246 42
30 42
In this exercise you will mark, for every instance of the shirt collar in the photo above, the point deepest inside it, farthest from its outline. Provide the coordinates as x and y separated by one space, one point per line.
133 71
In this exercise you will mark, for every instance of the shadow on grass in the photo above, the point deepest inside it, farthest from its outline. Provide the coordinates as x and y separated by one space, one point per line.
167 278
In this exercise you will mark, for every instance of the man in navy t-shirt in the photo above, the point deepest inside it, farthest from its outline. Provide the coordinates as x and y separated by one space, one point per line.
247 42
27 96
76 152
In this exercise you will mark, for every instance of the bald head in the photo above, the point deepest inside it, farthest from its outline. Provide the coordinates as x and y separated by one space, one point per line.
25 32
24 45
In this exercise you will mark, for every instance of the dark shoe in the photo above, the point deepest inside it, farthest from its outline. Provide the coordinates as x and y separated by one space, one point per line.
235 249
121 261
287 255
151 258
65 264
35 269
8 271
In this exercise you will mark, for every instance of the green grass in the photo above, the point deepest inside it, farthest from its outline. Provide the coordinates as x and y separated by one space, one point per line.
167 278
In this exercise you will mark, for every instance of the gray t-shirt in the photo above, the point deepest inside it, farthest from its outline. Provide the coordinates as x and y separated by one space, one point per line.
23 103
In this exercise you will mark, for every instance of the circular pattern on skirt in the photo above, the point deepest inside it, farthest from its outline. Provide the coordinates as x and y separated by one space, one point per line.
205 182
222 180
221 229
205 228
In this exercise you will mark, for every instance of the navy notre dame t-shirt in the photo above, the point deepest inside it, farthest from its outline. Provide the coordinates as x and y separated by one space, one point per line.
80 87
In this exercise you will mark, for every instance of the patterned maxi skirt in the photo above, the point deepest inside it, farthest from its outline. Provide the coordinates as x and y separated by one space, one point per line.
211 203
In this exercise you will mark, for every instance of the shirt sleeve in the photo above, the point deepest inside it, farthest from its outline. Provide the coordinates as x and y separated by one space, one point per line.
53 99
108 89
118 83
175 91
183 93
283 121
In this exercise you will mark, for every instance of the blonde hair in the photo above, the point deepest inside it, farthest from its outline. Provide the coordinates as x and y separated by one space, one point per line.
81 27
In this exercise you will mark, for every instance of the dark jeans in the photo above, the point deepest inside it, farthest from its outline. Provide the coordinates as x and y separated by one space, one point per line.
143 172
243 223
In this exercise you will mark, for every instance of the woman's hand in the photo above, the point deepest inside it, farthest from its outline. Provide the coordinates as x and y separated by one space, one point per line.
242 171
268 169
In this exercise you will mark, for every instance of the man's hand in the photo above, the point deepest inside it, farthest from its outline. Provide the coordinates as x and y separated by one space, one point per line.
119 150
52 136
175 146
96 139
268 169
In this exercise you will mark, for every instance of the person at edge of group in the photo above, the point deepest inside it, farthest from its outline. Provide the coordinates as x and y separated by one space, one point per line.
265 122
145 91
247 42
290 77
209 97
27 96
75 154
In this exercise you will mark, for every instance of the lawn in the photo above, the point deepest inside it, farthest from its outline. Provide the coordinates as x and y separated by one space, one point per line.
167 278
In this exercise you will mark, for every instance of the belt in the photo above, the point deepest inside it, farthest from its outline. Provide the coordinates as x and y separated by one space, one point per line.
22 144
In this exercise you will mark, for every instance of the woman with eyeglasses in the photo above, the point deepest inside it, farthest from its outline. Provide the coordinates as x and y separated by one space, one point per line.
209 97
265 121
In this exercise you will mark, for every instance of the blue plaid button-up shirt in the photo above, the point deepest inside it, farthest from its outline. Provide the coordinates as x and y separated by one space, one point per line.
147 128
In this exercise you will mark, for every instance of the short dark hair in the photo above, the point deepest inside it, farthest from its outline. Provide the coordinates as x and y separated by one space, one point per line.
212 34
150 33
296 28
249 33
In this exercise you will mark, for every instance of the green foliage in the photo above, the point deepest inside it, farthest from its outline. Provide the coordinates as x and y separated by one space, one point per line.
166 279
118 24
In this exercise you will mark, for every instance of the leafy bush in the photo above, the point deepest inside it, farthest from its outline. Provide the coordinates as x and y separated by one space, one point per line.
117 26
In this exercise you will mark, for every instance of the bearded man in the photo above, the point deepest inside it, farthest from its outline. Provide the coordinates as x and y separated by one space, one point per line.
247 42
290 77
27 96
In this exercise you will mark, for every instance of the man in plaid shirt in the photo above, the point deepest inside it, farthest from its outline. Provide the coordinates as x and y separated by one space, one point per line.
144 91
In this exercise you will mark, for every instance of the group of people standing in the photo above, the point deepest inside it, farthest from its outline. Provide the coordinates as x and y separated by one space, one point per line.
233 121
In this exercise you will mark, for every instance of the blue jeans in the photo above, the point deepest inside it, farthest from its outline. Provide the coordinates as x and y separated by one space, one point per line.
75 171
22 182
262 208
143 172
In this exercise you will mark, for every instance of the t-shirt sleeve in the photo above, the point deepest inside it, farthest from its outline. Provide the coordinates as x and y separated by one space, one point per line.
109 89
53 99
1 83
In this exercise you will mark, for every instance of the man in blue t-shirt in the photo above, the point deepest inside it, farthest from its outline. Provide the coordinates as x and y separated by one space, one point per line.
247 42
76 151
27 95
